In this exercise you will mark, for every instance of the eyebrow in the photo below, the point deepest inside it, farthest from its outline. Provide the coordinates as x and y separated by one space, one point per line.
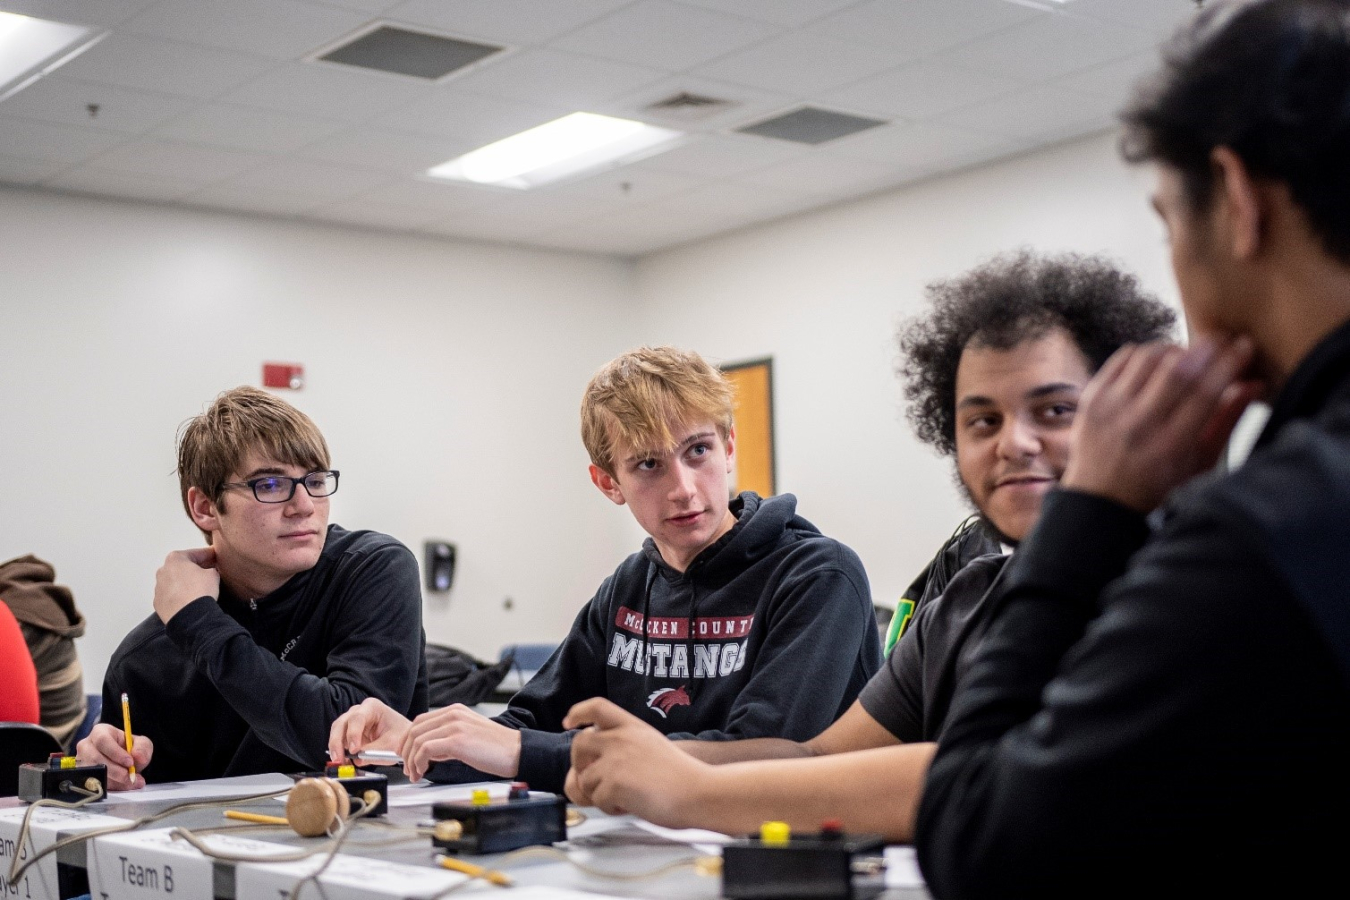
1035 393
265 470
693 438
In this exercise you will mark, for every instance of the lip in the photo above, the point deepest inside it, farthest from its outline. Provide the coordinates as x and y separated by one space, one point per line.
685 519
1023 481
294 535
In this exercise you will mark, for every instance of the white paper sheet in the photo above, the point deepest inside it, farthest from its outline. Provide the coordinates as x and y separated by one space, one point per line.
902 869
425 792
202 790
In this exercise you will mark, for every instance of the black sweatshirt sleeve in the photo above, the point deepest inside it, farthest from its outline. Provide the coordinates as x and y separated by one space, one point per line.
375 652
574 672
1070 748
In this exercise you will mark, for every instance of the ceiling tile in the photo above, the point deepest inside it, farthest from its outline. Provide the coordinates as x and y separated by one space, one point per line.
281 29
127 185
664 34
916 28
17 170
566 79
318 180
1048 113
65 144
800 64
920 91
237 198
746 104
780 12
718 156
80 12
923 146
247 128
1049 46
372 148
174 159
65 100
367 6
1162 17
154 64
329 91
466 121
830 177
1115 81
504 22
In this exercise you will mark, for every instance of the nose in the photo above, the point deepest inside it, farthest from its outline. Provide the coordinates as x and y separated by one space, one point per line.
1018 439
681 481
301 503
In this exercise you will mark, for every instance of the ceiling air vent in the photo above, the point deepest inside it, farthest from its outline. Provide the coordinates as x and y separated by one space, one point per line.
688 107
419 54
810 125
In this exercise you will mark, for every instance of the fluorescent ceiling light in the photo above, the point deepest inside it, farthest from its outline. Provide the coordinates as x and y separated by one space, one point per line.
30 48
559 149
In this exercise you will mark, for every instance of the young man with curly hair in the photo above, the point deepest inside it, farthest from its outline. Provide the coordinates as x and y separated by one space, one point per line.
260 639
737 619
993 374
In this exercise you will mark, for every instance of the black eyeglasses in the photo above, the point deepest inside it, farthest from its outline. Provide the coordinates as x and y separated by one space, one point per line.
281 488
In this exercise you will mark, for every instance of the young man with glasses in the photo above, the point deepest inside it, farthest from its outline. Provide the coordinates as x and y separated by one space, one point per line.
260 639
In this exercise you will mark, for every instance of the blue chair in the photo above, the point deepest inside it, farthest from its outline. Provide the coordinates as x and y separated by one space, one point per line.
526 660
92 714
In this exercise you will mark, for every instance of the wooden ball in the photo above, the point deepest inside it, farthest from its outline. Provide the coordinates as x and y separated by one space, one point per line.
311 807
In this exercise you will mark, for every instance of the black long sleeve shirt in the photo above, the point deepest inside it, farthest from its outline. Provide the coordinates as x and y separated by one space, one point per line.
1166 714
230 688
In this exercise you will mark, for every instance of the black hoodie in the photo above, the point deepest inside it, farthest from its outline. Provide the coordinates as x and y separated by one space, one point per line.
782 639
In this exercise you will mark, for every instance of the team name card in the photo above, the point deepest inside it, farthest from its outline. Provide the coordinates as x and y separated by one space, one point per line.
47 826
151 865
348 878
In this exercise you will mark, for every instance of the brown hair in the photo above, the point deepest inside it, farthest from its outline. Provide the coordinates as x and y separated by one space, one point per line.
213 445
640 398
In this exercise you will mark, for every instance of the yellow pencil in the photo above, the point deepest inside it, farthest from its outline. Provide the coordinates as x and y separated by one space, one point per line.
455 865
126 727
257 818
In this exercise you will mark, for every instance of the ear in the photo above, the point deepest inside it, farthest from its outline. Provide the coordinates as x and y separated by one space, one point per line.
607 483
731 448
1240 200
203 510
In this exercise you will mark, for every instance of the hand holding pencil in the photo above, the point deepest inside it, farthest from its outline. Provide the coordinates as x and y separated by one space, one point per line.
107 744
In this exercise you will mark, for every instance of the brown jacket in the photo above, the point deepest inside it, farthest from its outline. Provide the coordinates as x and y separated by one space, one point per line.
50 623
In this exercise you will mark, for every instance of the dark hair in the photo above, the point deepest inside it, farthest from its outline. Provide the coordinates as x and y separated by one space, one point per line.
1270 81
1009 300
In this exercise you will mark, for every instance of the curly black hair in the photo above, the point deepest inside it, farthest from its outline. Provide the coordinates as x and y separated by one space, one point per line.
1008 300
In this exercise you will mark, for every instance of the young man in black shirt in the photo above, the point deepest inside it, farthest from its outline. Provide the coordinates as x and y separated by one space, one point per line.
260 639
993 374
1169 712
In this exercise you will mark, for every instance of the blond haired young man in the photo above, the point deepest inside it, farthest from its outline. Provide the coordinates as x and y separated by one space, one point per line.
260 639
736 620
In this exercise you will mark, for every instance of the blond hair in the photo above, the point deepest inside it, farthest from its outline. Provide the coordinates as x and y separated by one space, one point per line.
638 401
214 445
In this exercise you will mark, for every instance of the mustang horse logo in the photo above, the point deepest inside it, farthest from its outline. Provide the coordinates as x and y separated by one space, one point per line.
666 699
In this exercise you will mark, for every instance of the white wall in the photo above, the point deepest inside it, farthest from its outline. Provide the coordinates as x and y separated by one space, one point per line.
446 378
823 293
457 370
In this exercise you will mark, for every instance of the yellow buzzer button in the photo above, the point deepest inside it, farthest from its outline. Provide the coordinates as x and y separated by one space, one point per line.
346 771
775 833
69 762
480 797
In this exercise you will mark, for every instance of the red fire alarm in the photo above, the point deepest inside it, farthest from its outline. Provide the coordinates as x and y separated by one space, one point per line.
284 375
